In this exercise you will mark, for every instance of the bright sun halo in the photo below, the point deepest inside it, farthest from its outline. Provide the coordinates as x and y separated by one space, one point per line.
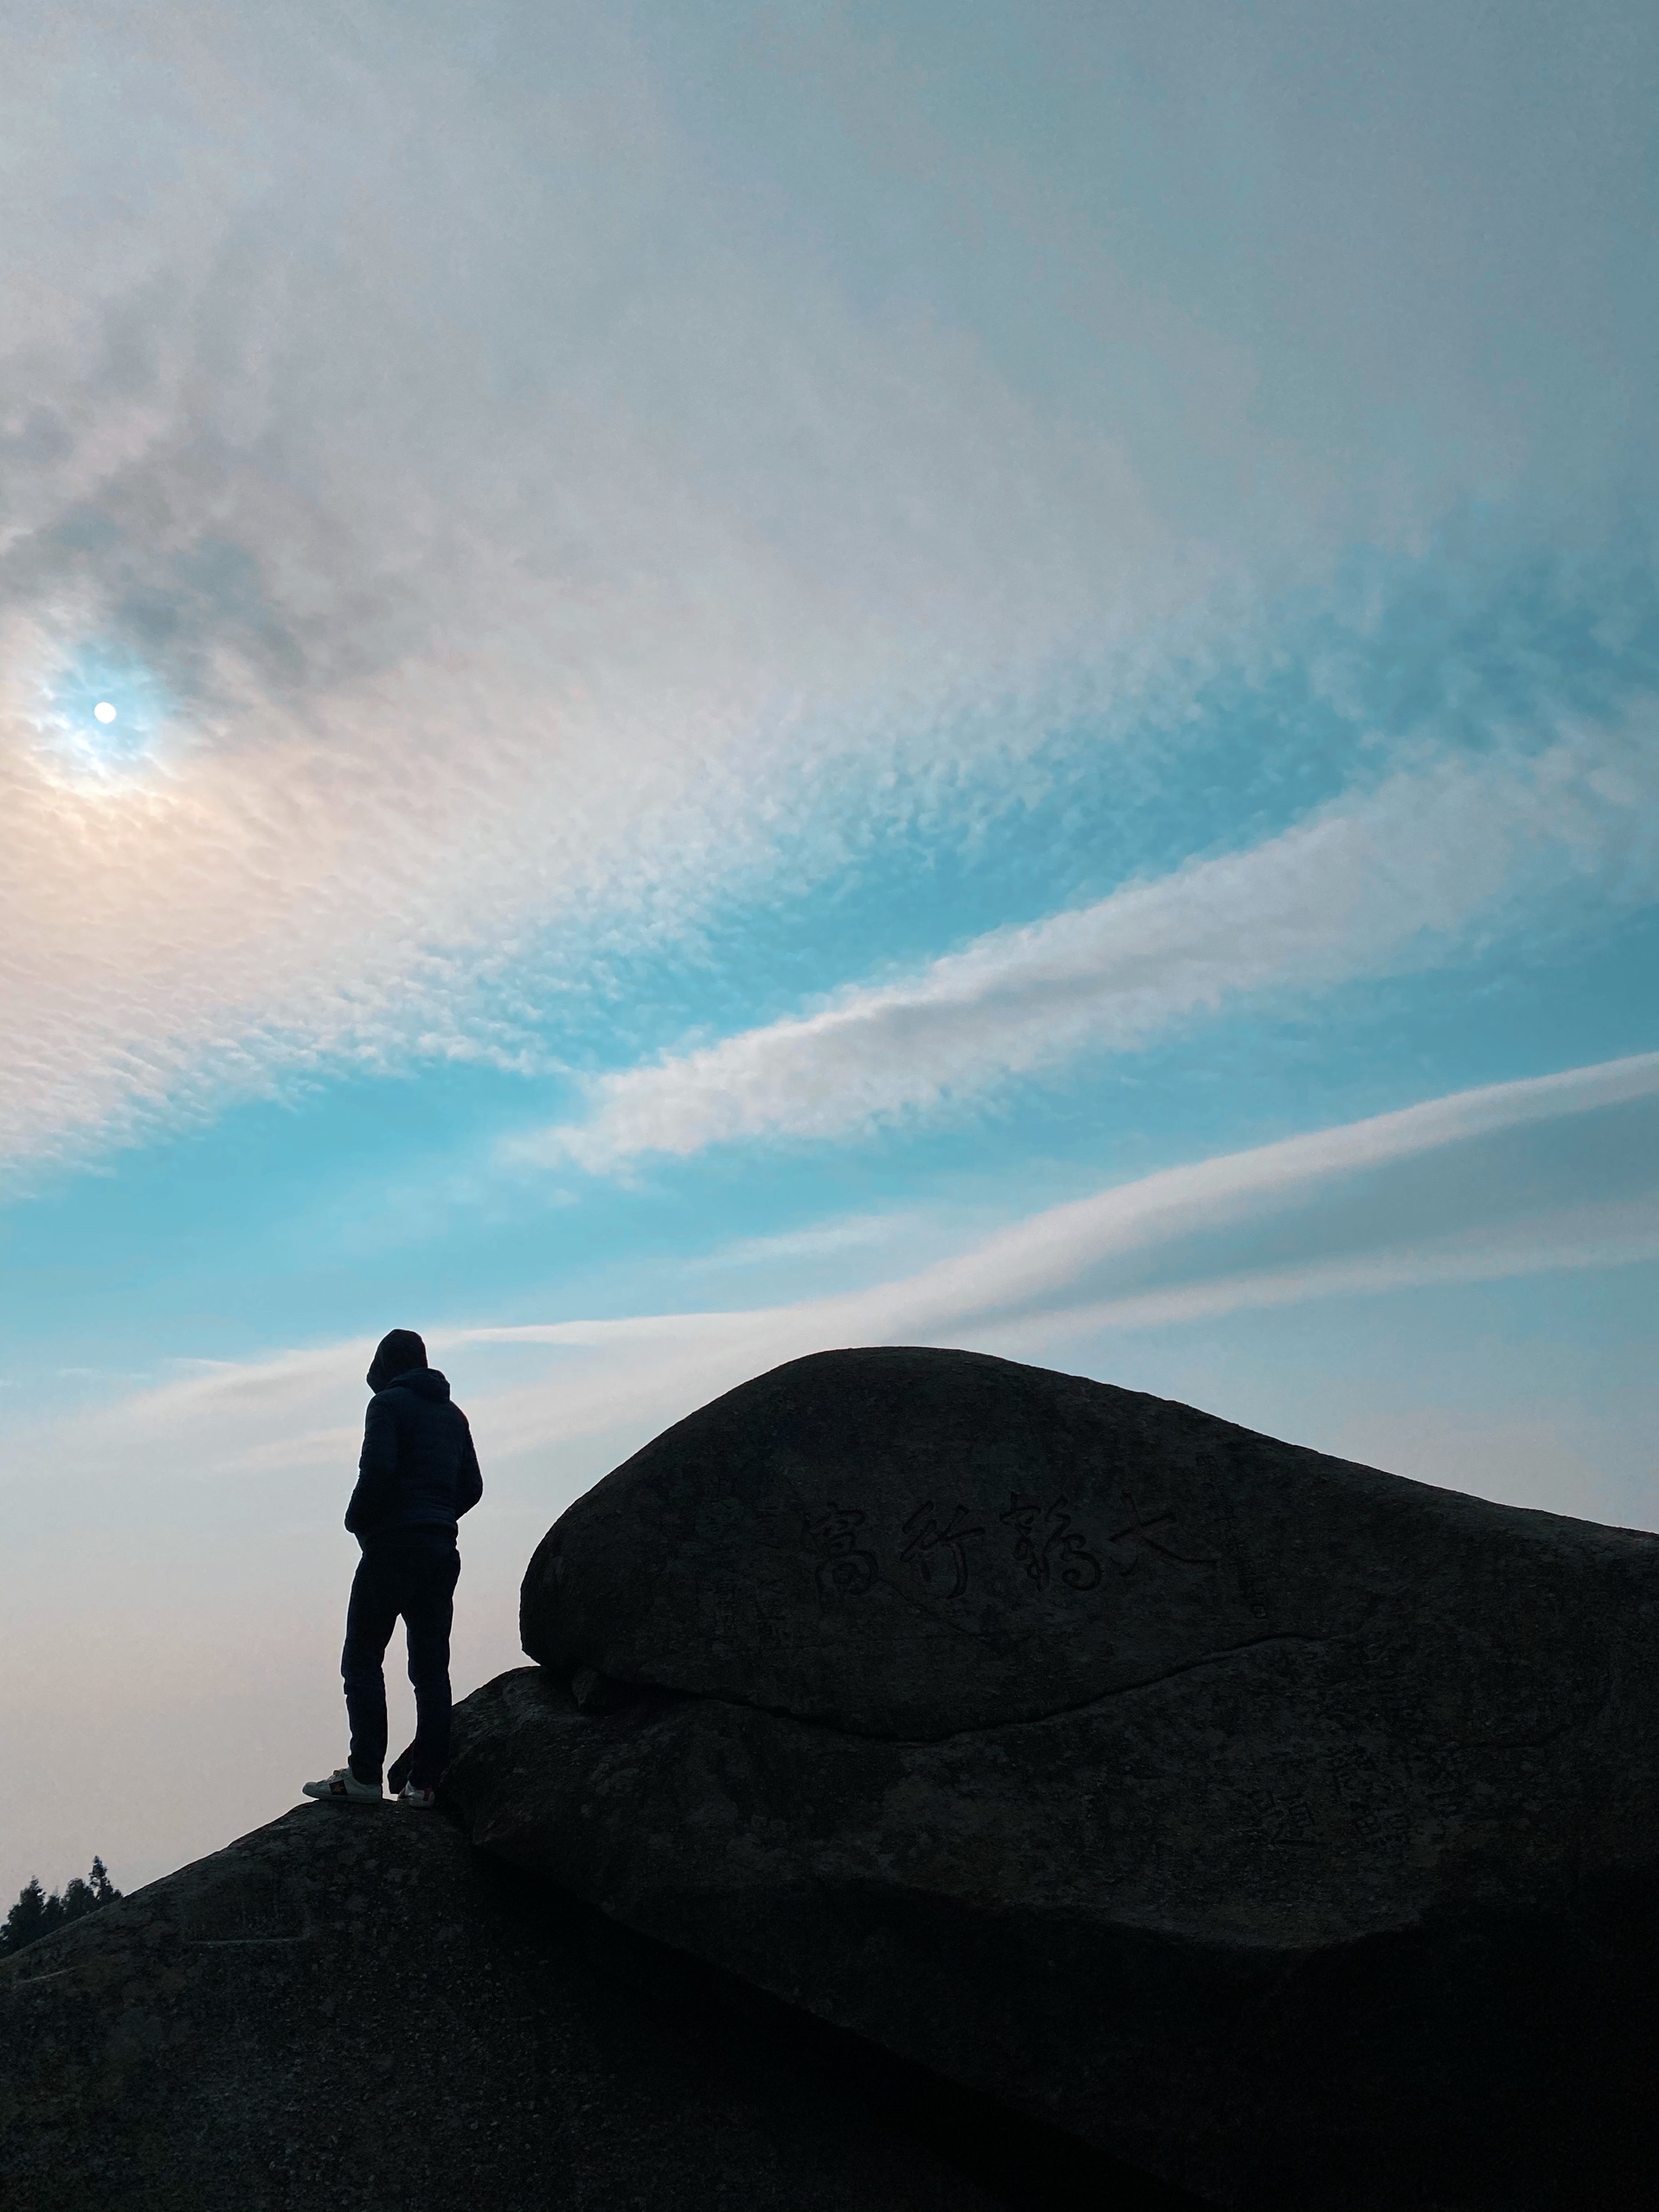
103 711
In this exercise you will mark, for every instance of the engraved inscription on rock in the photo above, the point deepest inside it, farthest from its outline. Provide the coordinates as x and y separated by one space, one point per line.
1037 1546
955 1543
1089 1578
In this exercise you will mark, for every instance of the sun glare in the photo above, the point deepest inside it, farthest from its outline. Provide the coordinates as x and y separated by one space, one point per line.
103 716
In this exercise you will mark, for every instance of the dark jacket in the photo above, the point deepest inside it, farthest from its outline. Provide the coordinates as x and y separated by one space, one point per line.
419 1469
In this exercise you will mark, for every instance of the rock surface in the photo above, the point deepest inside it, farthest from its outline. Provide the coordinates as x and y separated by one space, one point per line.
1285 1828
351 2006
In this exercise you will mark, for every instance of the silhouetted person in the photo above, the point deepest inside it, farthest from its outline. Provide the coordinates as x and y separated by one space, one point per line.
417 1476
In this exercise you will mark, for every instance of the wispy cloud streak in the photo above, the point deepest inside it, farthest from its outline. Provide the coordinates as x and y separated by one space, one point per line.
1394 880
1479 1185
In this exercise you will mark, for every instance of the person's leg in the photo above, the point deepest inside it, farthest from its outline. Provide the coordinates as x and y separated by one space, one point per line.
370 1619
428 1609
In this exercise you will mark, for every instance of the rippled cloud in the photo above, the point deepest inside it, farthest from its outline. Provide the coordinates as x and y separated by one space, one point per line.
496 457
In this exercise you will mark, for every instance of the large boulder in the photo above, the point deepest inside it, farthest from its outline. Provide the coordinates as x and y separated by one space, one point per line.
1284 1828
352 2007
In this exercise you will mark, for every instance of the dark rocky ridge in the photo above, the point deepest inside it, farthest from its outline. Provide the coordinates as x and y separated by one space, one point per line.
1281 1829
352 2006
1281 1826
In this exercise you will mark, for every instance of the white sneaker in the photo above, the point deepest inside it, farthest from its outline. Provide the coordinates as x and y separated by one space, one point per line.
343 1787
426 1799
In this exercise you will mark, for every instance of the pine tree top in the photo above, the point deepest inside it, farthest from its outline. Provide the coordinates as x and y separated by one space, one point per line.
38 1913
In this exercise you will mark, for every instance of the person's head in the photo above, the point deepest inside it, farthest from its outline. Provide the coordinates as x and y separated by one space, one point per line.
398 1351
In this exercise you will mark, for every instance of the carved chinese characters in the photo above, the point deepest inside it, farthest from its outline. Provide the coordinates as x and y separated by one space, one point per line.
907 1541
1046 1543
846 1568
936 1548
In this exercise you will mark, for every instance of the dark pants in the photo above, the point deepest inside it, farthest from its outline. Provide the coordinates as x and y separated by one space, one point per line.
416 1578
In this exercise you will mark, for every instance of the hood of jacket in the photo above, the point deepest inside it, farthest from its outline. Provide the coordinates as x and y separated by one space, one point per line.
425 1382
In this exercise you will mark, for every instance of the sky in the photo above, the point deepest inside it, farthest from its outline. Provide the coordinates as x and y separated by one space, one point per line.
683 682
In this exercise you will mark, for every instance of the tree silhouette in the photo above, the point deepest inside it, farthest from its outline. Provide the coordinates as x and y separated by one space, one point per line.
37 1914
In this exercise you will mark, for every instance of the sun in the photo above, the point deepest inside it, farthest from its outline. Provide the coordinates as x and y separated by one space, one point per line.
103 716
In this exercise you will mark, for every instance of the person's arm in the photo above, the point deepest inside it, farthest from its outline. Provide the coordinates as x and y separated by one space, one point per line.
376 1467
469 1482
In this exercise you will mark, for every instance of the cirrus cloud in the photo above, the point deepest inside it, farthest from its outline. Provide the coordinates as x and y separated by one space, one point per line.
1393 880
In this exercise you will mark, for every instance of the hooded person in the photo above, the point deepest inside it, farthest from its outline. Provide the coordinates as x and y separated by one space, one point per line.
417 1476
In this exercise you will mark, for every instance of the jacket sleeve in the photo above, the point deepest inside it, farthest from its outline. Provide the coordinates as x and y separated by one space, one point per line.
376 1467
469 1482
